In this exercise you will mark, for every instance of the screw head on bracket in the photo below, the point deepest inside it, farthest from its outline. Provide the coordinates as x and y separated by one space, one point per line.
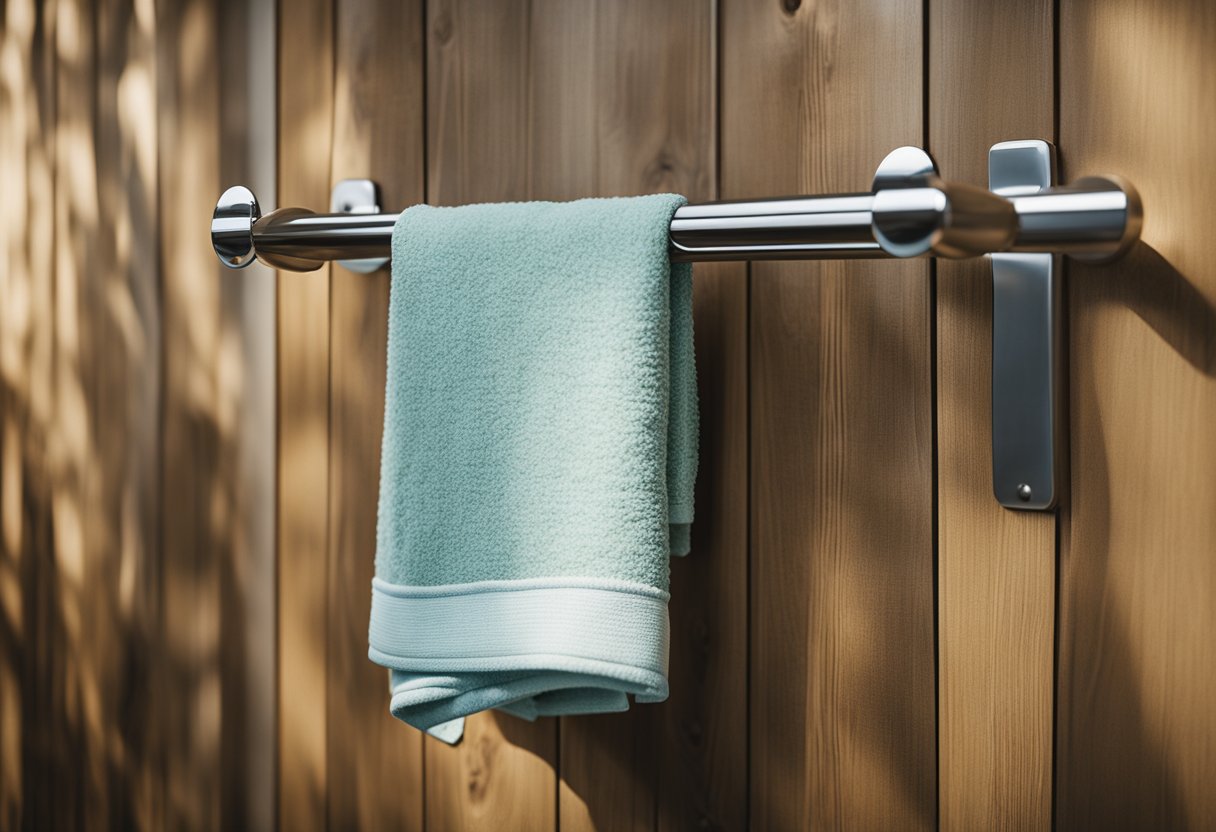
232 227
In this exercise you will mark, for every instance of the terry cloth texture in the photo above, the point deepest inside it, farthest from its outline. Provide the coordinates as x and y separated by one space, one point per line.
539 455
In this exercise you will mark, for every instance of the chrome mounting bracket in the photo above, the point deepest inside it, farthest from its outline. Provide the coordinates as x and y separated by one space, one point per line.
357 196
1029 441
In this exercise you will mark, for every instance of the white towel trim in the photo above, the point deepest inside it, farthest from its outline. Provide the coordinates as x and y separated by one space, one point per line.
617 628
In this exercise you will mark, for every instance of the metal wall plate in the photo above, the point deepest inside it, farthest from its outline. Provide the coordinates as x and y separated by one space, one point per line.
357 196
1028 440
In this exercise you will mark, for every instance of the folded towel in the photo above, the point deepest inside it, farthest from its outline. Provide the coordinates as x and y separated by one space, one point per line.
539 454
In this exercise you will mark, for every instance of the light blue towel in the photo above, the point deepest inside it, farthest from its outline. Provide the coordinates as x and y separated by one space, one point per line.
539 454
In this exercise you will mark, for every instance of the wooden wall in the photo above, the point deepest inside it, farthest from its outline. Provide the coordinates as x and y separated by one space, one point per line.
1136 735
1075 657
136 642
861 637
996 568
802 645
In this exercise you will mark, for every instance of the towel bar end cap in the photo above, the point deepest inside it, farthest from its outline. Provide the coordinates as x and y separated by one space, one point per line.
232 227
1127 223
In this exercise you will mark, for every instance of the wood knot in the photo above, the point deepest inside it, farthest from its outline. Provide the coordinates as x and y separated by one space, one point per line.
442 28
660 173
791 6
479 768
694 733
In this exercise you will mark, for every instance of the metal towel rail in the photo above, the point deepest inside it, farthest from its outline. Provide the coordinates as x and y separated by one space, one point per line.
1024 221
909 212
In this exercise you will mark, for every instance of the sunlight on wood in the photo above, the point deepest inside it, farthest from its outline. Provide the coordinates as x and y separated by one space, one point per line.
25 380
90 261
11 739
136 100
501 776
1136 743
11 526
575 813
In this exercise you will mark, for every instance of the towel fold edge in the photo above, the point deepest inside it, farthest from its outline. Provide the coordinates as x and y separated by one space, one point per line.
553 692
514 644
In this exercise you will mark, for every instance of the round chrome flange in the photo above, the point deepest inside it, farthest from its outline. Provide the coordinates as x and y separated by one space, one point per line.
232 227
904 167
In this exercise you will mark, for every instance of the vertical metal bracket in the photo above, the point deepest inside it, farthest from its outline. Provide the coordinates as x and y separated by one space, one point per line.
1028 440
357 196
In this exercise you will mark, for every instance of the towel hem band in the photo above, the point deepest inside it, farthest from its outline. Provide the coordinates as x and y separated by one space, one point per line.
522 625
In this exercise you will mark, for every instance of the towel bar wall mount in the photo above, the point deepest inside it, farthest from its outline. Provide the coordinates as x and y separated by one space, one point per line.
1024 221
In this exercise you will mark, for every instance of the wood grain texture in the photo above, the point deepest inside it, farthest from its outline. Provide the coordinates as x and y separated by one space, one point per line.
842 699
103 458
1136 743
127 314
565 100
503 775
71 463
996 568
500 777
27 109
121 460
703 760
31 633
199 520
306 100
374 762
245 372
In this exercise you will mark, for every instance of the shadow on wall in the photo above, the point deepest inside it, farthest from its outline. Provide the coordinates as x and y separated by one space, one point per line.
1118 762
1150 286
1104 679
122 565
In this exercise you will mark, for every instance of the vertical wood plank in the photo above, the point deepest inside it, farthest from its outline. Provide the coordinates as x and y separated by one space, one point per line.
306 83
996 568
560 101
634 111
202 355
703 760
127 410
503 773
28 89
215 546
623 103
74 710
375 776
62 714
1136 735
476 77
245 367
118 581
842 692
116 680
703 756
99 609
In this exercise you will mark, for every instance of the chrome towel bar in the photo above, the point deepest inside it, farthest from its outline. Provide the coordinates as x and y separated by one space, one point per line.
909 212
1024 223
